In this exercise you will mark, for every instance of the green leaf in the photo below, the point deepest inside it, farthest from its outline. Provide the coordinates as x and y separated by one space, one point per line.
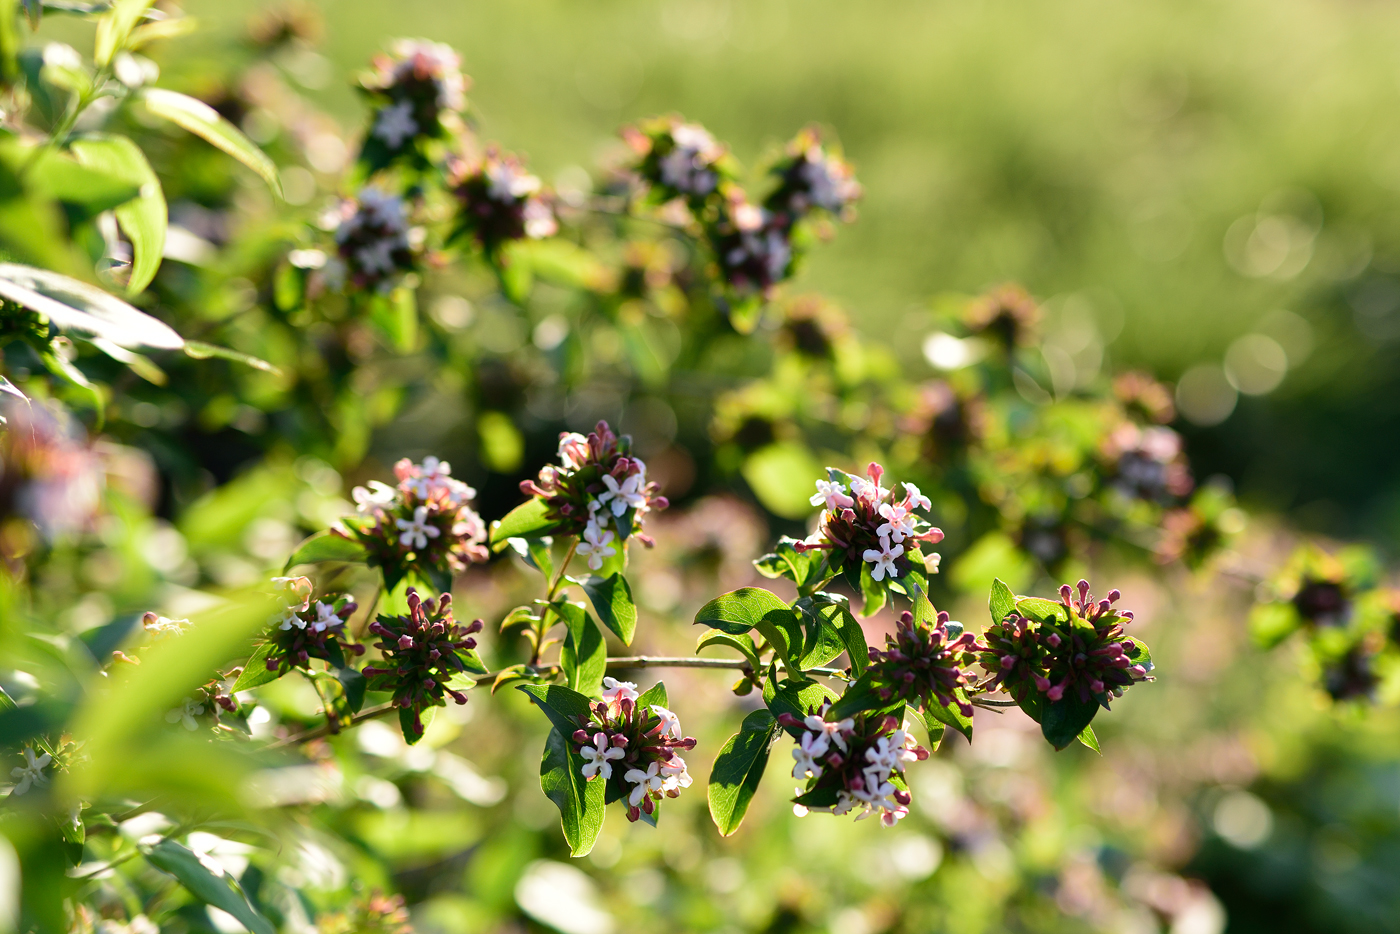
952 715
534 552
871 590
114 27
184 865
749 608
612 601
584 656
528 520
935 729
857 649
822 640
1044 611
580 802
143 219
204 121
743 643
411 732
198 350
327 546
563 706
1063 720
74 181
73 305
858 697
1087 737
256 672
807 569
798 698
656 694
1001 602
738 769
1271 623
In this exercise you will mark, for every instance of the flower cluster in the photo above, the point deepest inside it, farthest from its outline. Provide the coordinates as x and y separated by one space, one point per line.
925 663
948 419
501 201
413 88
678 160
863 522
374 913
48 474
811 177
752 245
426 522
206 701
1082 650
423 652
374 245
305 628
1147 463
633 747
1007 313
852 764
598 491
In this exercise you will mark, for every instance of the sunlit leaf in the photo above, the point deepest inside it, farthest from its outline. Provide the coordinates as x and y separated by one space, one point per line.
77 306
205 122
738 769
143 219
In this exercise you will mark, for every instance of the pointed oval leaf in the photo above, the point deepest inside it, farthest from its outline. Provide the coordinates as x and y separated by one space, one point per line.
528 520
328 546
74 305
182 863
1001 602
743 643
612 601
144 218
584 656
738 769
580 802
206 123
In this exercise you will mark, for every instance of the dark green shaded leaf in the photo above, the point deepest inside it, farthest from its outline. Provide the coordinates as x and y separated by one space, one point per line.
580 802
612 601
750 608
872 590
584 656
564 707
412 732
952 715
184 865
353 683
1063 720
738 769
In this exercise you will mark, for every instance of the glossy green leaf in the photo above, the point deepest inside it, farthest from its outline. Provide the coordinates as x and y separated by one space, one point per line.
612 601
738 769
1001 602
327 546
656 694
184 865
1041 610
73 305
563 706
822 640
528 520
936 730
858 697
1063 720
584 656
952 715
743 643
871 590
798 698
1087 737
93 188
255 671
144 218
580 802
534 552
753 608
199 350
205 122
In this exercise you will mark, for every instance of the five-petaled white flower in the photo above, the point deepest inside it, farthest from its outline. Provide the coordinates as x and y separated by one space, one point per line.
396 124
32 772
600 757
615 691
325 617
290 617
573 450
596 544
628 493
811 747
649 781
864 488
916 499
883 559
674 777
374 498
835 732
186 713
670 723
832 494
898 524
416 533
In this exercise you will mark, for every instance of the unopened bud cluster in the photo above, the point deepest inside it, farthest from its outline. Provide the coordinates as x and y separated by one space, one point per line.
307 628
373 243
852 764
925 664
414 88
426 521
422 651
598 491
864 522
1087 656
500 201
633 747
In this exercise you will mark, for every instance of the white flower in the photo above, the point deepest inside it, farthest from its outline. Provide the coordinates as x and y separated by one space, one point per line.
628 493
600 757
506 182
863 488
396 124
32 772
573 450
674 777
435 476
378 496
932 561
834 732
162 627
185 714
298 592
916 499
647 782
832 494
883 559
615 691
416 533
899 522
811 747
325 617
62 55
290 617
596 544
539 220
670 723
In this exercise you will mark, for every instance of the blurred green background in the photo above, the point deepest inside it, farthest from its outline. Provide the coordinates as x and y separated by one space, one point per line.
1187 170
